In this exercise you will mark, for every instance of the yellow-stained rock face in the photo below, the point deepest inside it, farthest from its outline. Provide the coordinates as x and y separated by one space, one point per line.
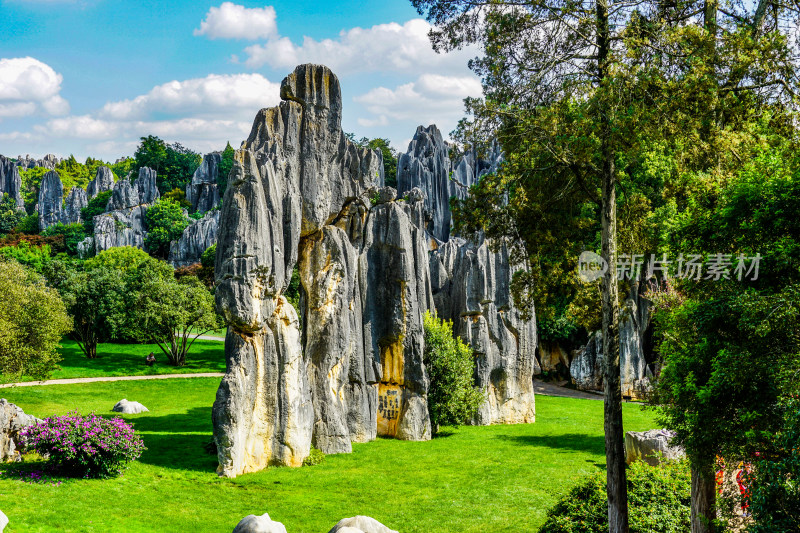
390 389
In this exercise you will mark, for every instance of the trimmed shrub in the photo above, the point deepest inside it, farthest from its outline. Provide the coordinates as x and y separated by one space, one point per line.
314 458
658 502
85 446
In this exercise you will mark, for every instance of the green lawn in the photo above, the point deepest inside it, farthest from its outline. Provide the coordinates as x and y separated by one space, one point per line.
129 360
478 479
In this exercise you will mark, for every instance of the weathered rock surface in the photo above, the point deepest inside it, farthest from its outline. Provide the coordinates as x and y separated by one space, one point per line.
195 240
552 357
76 200
360 524
103 181
3 521
202 191
12 421
51 200
586 367
471 286
86 248
10 181
27 162
124 223
645 446
129 408
300 191
258 524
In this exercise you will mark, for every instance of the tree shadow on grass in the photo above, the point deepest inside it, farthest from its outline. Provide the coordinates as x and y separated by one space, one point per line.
569 441
177 441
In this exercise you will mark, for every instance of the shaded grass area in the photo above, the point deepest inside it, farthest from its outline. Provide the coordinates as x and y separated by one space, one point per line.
473 479
129 360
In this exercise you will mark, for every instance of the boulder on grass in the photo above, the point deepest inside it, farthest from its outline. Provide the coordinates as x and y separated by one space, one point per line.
647 445
129 408
360 524
258 524
12 420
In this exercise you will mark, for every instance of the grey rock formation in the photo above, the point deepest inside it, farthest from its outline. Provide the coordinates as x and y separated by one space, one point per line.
10 181
27 162
471 286
3 521
51 199
646 445
76 200
202 191
586 368
103 181
124 223
86 248
123 227
259 524
427 165
360 524
129 408
301 193
12 421
195 240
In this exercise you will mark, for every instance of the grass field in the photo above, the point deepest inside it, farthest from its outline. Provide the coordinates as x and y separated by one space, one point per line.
474 479
129 360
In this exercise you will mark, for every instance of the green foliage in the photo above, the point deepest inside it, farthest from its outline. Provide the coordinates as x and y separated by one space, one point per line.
225 166
452 397
32 323
165 223
10 215
178 196
34 257
96 206
174 164
75 174
209 257
775 483
73 234
29 225
292 292
127 260
658 501
31 179
123 168
314 458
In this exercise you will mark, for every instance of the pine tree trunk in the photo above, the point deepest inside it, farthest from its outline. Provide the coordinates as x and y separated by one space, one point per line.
703 499
615 449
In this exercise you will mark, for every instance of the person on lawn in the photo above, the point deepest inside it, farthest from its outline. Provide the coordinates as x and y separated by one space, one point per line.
151 359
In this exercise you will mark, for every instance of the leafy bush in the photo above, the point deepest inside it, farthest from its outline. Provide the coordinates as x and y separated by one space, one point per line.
33 320
35 257
314 458
658 502
28 225
73 235
165 223
96 206
86 446
10 215
453 398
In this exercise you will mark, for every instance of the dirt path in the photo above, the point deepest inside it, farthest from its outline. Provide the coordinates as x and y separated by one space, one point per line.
210 338
110 378
551 389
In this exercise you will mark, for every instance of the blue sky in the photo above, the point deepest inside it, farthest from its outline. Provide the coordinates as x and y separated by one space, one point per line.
89 77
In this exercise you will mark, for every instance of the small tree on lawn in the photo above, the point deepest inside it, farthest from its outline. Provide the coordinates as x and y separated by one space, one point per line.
453 398
173 313
32 323
94 300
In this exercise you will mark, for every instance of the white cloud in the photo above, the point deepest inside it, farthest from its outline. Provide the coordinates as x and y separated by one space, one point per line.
389 47
214 95
232 21
28 86
432 98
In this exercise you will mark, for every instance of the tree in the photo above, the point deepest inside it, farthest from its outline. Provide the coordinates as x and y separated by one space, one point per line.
389 157
174 164
32 323
225 166
94 300
581 95
152 153
453 398
73 235
33 257
165 223
10 214
171 313
128 261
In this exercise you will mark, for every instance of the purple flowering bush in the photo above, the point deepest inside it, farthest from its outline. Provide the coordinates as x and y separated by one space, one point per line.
85 445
